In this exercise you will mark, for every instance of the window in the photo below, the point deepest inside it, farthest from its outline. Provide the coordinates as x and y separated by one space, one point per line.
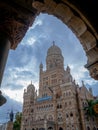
69 102
88 128
94 128
71 114
67 115
65 104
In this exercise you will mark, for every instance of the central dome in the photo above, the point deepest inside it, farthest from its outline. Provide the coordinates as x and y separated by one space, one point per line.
54 50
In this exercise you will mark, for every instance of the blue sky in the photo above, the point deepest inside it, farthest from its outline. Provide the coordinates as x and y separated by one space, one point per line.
23 63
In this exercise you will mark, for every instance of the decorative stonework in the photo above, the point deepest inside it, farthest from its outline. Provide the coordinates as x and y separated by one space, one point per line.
87 40
60 102
63 12
18 15
93 69
77 25
75 20
15 22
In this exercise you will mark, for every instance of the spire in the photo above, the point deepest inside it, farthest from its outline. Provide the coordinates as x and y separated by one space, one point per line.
53 43
68 68
41 67
83 83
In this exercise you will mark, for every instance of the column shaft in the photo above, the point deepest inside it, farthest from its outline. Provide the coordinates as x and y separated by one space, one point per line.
4 50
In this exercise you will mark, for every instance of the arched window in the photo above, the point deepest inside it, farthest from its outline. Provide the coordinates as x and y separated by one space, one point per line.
69 93
69 102
88 128
50 117
94 128
65 104
67 115
60 106
71 114
60 128
50 128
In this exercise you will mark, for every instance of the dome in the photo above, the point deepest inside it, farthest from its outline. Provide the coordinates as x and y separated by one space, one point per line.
30 87
54 50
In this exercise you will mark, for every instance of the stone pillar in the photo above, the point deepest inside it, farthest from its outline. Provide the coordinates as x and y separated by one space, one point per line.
45 124
9 126
4 49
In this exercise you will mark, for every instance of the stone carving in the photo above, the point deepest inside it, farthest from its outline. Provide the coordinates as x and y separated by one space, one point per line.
15 22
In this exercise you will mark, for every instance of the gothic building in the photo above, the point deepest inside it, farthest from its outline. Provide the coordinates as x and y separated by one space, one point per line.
60 102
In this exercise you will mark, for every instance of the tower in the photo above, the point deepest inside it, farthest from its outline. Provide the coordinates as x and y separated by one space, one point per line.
28 105
54 59
59 103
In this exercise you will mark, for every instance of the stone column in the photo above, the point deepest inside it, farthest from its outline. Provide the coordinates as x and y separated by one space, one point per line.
9 126
45 124
4 49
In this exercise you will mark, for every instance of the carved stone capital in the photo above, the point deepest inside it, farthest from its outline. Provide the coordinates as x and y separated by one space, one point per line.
15 22
93 69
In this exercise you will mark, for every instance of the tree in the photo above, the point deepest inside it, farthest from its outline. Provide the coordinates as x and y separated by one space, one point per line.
90 108
17 122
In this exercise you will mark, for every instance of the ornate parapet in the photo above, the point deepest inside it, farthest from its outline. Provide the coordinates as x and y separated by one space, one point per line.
15 20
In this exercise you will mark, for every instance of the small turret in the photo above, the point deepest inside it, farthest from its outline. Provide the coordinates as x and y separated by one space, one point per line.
41 67
68 69
83 84
90 90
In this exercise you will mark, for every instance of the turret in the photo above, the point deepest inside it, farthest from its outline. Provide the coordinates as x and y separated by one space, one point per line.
41 67
90 90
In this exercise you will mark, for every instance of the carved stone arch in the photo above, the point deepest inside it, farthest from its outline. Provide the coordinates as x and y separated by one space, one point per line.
50 117
50 128
79 25
60 128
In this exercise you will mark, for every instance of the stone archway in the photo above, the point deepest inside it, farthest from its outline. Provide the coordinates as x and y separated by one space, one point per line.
80 26
19 15
60 128
50 128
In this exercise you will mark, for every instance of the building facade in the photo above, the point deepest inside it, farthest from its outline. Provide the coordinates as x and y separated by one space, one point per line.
60 102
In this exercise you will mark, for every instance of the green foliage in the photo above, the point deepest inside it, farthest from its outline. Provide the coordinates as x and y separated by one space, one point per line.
90 108
17 122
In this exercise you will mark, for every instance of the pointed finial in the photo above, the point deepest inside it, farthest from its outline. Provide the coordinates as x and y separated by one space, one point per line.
53 43
82 83
31 81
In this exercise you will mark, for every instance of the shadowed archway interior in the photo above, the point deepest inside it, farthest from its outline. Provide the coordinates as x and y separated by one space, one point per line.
19 15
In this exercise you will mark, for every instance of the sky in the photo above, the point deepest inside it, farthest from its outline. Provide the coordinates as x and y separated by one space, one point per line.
22 65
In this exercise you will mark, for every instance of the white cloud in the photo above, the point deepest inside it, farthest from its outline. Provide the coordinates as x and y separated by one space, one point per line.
30 41
17 94
78 72
45 29
36 22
